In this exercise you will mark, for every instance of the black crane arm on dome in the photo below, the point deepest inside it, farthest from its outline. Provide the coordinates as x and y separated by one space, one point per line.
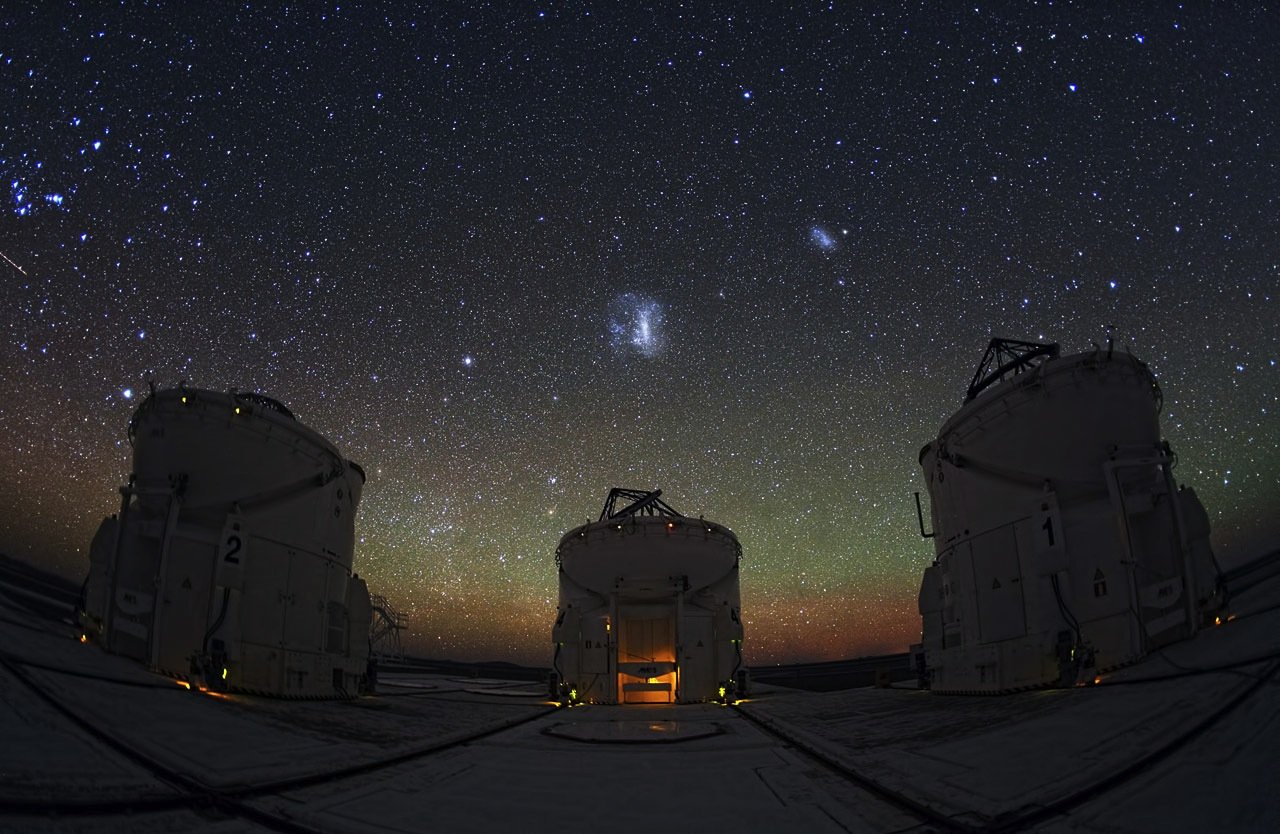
643 502
1008 356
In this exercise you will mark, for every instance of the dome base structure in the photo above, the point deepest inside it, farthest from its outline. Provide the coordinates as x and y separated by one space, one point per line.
1064 547
229 563
649 608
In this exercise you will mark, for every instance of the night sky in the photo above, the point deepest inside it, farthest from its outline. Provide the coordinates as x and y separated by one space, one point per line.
509 256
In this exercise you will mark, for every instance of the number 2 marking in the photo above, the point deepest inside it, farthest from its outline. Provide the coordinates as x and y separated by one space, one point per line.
233 547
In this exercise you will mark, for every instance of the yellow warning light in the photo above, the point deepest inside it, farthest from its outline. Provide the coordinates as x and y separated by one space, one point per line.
224 673
573 694
1217 621
1097 679
84 638
183 684
721 690
184 399
237 409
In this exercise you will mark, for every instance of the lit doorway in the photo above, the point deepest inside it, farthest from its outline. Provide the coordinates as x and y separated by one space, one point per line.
647 655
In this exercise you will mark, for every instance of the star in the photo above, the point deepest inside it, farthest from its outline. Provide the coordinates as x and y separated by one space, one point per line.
508 262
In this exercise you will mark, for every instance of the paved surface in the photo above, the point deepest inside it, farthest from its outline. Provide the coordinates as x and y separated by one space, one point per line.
977 760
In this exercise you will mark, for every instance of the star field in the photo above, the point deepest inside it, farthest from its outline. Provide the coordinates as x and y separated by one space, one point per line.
507 257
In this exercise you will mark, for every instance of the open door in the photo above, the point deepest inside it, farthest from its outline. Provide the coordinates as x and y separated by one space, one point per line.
647 654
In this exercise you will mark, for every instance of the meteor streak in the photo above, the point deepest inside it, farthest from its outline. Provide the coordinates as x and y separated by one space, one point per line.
12 264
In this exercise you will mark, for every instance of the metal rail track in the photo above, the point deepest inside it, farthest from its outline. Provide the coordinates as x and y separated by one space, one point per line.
1026 817
192 794
925 813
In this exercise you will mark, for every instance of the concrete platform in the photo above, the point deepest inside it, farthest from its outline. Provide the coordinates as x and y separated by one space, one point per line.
1180 742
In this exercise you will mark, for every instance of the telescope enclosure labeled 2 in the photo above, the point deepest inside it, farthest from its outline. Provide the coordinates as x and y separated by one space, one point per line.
230 562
